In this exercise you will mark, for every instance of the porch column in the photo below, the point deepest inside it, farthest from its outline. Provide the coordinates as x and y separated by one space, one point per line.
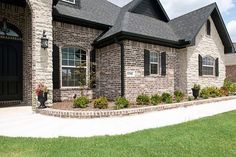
41 58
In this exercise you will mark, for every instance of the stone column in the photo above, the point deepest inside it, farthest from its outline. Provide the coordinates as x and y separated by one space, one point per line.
41 58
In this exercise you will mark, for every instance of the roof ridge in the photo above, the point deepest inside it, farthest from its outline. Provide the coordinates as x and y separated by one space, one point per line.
194 11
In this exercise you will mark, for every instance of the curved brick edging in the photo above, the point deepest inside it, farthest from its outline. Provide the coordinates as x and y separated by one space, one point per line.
124 112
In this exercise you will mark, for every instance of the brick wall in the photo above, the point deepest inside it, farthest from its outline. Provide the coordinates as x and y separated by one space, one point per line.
108 77
134 62
66 35
21 18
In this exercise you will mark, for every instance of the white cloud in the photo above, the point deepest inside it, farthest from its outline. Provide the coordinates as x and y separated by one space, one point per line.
176 8
231 26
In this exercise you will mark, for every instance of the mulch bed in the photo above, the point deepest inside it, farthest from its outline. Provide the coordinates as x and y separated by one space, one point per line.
68 105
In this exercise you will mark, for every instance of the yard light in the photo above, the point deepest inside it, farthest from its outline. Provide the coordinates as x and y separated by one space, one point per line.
44 40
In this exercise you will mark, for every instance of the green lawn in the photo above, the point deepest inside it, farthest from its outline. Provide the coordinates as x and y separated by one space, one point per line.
209 137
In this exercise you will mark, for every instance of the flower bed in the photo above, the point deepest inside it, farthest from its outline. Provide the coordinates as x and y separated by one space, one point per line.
96 113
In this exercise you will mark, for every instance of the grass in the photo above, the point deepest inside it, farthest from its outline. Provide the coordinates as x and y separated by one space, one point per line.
208 137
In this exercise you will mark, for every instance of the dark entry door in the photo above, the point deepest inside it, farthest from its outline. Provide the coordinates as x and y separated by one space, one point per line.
10 70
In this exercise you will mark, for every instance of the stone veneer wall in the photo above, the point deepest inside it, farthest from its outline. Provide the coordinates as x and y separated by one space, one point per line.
108 77
134 62
205 45
76 36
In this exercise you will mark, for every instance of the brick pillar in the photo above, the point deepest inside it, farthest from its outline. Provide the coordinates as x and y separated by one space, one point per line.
41 59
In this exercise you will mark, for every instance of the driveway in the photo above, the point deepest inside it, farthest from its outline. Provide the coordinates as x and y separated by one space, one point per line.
22 122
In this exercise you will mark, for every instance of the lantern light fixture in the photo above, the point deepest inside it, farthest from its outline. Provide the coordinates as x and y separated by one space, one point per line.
44 40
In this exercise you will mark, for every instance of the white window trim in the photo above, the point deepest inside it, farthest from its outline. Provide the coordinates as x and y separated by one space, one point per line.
157 63
210 66
66 66
69 1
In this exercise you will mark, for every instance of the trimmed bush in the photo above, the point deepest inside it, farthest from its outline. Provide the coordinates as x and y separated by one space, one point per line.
229 86
156 99
210 92
81 102
179 96
101 103
167 98
224 91
205 94
121 103
143 99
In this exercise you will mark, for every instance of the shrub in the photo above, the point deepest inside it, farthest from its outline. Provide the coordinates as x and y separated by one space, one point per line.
167 98
121 103
213 91
205 94
101 103
156 99
143 99
179 96
81 102
230 86
224 91
190 98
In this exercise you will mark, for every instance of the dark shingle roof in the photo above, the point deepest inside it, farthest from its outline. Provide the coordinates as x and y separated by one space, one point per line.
188 25
98 11
140 24
143 25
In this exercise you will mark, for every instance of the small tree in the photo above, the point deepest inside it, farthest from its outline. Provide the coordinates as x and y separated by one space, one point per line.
85 83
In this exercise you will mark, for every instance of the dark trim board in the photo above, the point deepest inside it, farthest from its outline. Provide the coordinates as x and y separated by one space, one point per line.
135 37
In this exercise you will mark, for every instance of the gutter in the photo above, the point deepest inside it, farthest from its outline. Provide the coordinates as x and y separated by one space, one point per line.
122 62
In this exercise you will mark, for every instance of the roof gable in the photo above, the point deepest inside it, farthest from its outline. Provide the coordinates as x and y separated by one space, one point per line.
188 26
151 8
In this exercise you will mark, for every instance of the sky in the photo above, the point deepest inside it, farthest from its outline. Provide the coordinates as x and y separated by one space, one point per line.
175 8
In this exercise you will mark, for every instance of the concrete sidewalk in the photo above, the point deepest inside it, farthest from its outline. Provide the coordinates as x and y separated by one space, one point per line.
21 122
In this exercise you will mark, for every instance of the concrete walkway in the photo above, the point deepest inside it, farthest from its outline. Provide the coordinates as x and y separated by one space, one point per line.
21 122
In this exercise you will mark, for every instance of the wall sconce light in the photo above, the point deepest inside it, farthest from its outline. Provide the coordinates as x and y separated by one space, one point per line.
44 40
4 27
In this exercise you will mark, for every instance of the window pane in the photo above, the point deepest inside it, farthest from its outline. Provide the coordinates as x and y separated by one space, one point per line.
64 56
72 77
64 62
208 70
71 63
64 50
71 50
154 69
71 56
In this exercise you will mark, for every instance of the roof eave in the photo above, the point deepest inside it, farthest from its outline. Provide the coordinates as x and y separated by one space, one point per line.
79 21
142 38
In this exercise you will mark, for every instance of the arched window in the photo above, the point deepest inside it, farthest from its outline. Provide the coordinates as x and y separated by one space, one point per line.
73 66
208 27
7 29
208 65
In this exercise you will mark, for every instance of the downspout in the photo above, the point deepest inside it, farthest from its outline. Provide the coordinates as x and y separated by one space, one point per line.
122 62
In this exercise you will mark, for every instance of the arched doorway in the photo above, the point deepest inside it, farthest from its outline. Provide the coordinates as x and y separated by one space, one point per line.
11 50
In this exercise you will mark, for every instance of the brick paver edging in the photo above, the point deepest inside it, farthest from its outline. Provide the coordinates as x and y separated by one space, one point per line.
124 112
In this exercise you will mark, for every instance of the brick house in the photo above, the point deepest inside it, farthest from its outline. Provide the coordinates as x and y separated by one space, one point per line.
230 60
137 49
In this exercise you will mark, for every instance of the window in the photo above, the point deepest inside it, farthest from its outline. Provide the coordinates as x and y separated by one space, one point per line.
208 65
154 63
73 67
69 1
208 27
